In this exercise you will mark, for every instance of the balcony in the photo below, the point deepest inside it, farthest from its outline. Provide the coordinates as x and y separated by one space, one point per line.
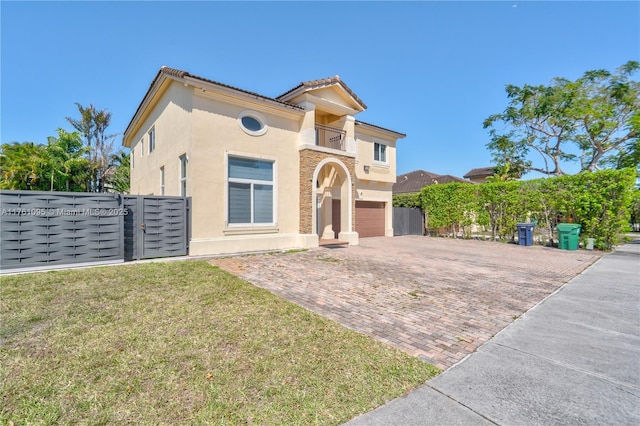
330 137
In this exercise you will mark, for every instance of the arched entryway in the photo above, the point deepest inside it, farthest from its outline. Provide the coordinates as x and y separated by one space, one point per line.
332 195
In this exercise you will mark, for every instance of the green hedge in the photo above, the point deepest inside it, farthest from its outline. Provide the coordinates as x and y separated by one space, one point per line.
407 200
601 202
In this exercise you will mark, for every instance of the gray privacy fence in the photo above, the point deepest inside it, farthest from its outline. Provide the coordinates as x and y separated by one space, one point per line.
408 221
41 230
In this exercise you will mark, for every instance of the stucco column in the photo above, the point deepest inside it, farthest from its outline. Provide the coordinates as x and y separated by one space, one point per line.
308 127
350 137
326 216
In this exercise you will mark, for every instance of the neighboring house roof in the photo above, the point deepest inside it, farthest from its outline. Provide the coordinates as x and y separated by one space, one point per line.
480 172
316 84
414 181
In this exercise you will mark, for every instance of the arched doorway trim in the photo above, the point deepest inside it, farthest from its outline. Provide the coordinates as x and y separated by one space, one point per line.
347 181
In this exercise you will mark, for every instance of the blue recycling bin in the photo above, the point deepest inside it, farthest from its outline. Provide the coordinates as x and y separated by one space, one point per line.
525 234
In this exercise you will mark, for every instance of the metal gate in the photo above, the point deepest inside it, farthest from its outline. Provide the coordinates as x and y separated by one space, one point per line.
156 226
408 221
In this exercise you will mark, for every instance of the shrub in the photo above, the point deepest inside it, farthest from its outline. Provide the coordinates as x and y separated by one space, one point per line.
601 202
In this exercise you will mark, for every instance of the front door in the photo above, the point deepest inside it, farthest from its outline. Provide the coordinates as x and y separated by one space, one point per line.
335 217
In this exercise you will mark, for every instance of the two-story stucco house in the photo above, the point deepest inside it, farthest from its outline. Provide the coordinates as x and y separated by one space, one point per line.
264 173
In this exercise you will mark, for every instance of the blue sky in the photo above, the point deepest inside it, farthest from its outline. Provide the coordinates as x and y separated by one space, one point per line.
432 70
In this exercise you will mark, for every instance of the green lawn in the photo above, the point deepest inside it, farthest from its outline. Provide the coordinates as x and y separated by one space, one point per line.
182 343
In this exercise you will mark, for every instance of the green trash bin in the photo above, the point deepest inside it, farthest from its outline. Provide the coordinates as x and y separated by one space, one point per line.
568 234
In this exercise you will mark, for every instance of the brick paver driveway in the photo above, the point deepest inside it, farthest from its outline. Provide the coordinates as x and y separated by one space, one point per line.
438 299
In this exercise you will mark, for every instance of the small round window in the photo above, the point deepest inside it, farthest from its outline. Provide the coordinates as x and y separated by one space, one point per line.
252 123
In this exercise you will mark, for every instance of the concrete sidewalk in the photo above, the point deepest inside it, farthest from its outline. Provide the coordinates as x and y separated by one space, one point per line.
573 359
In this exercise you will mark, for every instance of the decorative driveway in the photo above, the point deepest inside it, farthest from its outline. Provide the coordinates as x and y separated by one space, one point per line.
437 299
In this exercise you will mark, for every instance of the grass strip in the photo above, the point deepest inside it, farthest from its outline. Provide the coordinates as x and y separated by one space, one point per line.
182 342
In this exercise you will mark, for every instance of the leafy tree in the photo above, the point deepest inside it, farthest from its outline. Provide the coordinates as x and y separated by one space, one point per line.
406 200
92 125
502 202
505 172
118 173
450 205
544 197
595 119
69 170
602 203
22 166
58 166
635 209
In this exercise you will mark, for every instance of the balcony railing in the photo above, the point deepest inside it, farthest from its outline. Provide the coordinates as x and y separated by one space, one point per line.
330 137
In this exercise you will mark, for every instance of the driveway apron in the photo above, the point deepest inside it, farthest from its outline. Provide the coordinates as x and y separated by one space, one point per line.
572 360
434 298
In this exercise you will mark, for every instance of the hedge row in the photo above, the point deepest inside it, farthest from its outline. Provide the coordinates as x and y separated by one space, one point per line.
601 202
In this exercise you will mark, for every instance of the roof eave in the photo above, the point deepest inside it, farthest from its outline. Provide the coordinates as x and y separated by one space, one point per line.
305 87
166 73
155 85
373 127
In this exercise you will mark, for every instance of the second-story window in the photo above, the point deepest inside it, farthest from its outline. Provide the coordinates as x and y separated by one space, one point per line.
183 175
253 123
379 152
152 139
162 180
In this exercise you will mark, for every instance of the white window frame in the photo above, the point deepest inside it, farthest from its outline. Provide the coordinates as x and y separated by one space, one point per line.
256 116
152 139
182 177
376 150
273 182
162 177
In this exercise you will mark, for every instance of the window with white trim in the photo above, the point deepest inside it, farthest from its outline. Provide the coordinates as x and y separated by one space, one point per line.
253 123
251 198
183 175
379 152
152 139
162 180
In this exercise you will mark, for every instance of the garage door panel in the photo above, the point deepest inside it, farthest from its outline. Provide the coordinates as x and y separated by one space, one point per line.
370 218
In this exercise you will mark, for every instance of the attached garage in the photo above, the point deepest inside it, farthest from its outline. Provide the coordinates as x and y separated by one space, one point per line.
370 218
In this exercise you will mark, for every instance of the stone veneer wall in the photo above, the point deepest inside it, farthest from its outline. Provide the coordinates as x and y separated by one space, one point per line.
309 160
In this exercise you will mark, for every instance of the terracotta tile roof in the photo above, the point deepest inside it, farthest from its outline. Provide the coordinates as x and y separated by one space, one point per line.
361 123
480 172
314 84
414 181
181 74
176 73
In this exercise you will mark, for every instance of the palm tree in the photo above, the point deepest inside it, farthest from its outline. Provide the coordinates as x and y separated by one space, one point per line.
68 166
92 125
117 176
22 166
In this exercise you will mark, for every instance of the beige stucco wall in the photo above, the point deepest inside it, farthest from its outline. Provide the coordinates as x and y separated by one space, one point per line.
216 134
203 124
376 185
379 172
171 117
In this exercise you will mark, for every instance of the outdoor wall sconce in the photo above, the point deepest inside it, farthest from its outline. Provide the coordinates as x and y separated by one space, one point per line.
366 169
